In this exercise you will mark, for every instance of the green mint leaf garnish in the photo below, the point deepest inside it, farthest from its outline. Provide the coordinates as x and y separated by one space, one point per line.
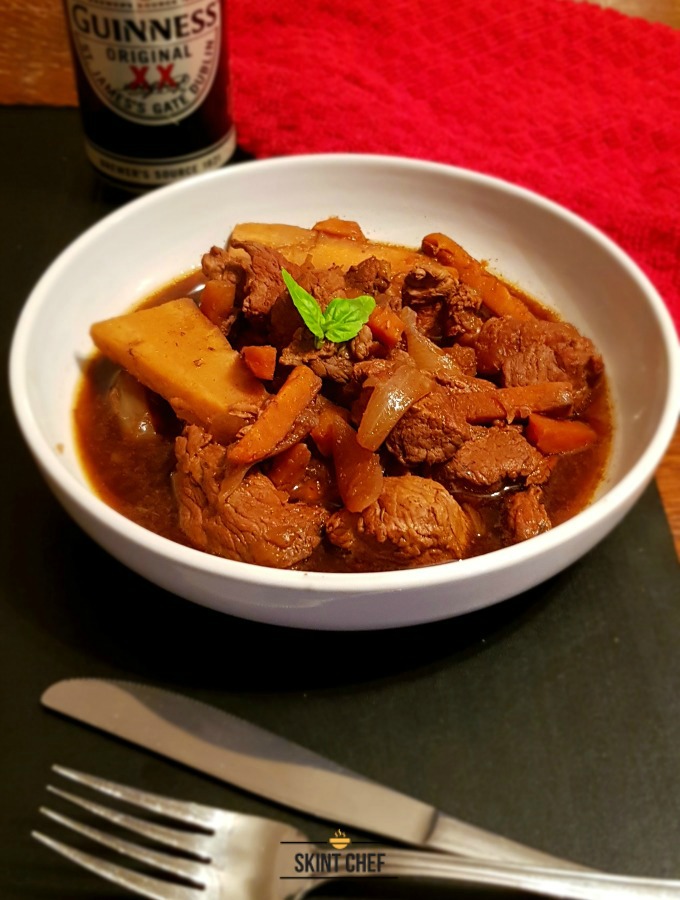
306 305
343 319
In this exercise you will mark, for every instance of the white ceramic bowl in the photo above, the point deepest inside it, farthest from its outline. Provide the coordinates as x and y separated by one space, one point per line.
550 252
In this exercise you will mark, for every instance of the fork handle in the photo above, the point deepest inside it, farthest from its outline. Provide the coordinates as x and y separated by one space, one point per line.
546 882
453 836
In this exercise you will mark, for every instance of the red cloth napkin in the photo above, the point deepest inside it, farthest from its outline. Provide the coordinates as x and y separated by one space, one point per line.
579 103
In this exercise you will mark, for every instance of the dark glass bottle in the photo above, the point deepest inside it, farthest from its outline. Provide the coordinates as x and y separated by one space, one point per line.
153 85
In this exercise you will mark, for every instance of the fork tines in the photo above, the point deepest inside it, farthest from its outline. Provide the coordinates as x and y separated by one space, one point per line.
195 844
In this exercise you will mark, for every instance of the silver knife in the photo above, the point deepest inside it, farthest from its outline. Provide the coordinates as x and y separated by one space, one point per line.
240 753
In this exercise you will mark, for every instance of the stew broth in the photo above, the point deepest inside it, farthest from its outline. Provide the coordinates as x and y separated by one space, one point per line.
135 476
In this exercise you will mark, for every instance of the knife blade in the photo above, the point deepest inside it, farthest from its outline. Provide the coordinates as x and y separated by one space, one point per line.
236 751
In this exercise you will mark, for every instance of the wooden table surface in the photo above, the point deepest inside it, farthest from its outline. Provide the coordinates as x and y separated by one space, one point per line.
35 68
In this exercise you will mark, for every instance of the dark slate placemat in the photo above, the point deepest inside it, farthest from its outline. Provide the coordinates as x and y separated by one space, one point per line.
553 718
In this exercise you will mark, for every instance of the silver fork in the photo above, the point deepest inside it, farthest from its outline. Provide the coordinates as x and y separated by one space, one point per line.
243 857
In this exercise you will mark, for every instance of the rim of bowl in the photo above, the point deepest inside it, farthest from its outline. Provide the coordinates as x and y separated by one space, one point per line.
614 499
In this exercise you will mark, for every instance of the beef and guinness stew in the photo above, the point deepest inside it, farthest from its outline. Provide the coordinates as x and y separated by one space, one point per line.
310 399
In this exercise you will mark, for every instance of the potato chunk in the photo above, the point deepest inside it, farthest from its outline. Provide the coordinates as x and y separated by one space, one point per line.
324 249
175 351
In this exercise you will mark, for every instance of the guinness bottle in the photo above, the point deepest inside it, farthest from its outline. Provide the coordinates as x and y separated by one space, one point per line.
153 85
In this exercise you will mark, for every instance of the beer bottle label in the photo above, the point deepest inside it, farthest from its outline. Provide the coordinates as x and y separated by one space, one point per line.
151 62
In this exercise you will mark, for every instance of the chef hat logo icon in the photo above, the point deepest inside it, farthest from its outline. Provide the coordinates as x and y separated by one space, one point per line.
339 840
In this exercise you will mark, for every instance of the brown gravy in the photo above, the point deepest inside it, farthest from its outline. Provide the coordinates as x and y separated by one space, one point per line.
134 477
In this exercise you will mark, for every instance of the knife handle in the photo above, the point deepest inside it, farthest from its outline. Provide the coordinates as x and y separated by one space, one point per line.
450 835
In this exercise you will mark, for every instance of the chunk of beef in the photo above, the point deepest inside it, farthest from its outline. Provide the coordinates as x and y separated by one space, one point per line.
431 431
323 284
255 523
430 320
460 312
232 269
426 289
414 522
464 357
284 321
371 276
221 265
525 515
382 367
337 367
266 300
264 285
364 346
531 351
360 346
444 306
330 360
495 457
428 284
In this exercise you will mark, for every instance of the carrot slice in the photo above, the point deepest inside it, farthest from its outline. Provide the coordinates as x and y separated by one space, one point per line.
289 467
342 228
386 326
276 418
493 292
546 396
217 300
513 403
559 435
322 433
358 471
260 360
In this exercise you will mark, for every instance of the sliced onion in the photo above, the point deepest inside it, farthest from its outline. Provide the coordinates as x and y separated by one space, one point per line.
130 402
389 401
427 356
